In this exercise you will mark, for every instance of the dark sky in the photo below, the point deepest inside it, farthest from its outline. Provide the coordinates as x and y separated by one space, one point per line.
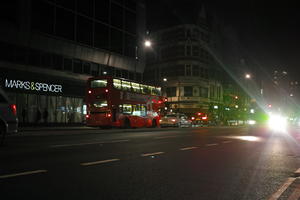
269 31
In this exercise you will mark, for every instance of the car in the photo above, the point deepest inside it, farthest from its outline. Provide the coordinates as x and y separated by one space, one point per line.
175 120
8 116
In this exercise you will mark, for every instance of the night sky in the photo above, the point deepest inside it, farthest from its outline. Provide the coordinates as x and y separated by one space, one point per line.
267 30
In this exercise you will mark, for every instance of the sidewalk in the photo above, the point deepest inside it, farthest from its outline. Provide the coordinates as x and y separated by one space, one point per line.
55 128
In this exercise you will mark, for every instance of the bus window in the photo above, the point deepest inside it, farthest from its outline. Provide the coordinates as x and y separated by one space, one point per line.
145 89
117 84
143 110
126 86
98 83
152 89
136 87
100 104
136 110
157 91
127 108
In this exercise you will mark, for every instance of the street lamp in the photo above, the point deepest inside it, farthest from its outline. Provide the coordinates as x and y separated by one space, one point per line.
165 79
147 43
247 76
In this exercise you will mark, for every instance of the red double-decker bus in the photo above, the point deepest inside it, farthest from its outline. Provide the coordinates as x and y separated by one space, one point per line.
114 102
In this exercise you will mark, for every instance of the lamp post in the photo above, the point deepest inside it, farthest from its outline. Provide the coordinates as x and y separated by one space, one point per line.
147 44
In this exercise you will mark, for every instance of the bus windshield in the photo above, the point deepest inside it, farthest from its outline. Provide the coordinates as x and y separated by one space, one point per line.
98 83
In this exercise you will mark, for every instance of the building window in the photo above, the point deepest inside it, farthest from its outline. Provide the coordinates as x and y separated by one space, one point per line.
57 62
118 73
42 16
204 92
188 91
86 68
116 41
102 10
65 23
101 36
116 15
68 64
77 66
130 45
171 91
95 71
188 70
130 22
196 71
188 50
84 32
195 50
66 3
86 7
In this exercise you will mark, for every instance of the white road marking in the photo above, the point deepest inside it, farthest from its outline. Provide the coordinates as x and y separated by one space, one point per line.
213 144
89 143
279 192
152 154
170 136
22 174
188 148
226 141
99 162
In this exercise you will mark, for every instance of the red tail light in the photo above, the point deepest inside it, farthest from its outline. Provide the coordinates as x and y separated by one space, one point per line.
13 108
106 90
108 115
87 116
166 99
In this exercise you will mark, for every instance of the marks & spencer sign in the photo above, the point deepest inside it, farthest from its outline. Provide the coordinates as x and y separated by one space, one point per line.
33 86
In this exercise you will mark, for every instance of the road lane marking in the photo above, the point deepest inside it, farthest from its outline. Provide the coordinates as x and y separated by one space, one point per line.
170 136
89 143
279 192
213 144
226 142
99 162
295 195
188 148
151 154
22 174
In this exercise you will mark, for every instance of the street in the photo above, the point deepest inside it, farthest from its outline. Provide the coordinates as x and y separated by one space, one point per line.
174 163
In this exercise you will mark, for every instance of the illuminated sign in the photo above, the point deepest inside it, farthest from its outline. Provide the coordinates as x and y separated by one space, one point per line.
33 86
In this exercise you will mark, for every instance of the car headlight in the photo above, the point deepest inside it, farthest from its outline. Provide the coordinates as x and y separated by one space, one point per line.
277 123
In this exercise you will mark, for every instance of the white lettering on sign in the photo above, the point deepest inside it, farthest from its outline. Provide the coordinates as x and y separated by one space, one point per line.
34 86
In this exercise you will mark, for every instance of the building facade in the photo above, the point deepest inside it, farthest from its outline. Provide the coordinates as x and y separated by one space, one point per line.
183 62
48 49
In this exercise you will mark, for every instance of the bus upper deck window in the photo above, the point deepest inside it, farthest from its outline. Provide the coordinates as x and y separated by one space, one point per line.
98 83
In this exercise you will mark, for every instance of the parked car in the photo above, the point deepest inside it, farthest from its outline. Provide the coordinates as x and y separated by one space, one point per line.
8 116
175 120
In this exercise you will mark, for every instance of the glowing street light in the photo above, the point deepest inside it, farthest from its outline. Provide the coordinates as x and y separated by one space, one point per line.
147 43
248 76
165 79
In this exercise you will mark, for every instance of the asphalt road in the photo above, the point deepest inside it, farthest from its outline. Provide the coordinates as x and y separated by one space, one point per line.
193 163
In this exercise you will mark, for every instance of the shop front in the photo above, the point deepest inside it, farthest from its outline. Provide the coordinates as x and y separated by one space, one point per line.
45 99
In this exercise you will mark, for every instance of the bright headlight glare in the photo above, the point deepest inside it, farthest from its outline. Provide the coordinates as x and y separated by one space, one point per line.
251 122
277 123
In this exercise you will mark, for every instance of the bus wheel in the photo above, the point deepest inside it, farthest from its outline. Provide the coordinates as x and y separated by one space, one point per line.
127 123
154 124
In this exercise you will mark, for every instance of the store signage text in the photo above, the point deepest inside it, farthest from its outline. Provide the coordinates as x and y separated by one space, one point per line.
33 86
